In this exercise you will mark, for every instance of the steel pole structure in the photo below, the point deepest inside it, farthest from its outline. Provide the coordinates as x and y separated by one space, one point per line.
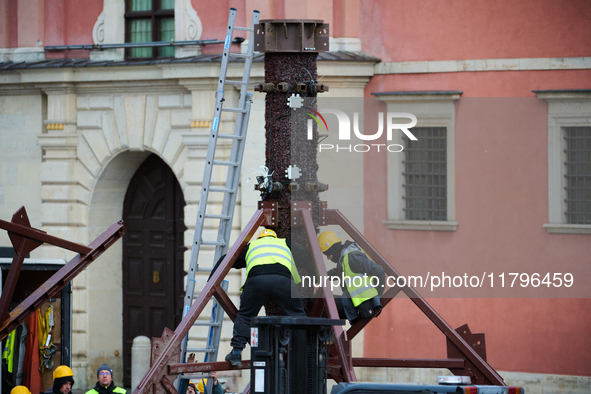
291 48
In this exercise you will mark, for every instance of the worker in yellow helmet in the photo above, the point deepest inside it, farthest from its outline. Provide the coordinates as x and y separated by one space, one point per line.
63 380
206 386
20 390
271 274
362 279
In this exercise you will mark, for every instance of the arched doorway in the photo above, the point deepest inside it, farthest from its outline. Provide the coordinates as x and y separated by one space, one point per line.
152 255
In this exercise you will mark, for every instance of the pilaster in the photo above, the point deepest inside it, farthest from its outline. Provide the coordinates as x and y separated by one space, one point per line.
65 194
187 27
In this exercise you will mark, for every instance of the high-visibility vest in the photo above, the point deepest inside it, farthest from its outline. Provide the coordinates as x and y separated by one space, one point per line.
359 289
8 352
270 250
117 390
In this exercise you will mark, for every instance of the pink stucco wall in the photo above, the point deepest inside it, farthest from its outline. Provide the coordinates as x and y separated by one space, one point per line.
501 188
501 178
484 83
407 30
214 18
70 22
522 335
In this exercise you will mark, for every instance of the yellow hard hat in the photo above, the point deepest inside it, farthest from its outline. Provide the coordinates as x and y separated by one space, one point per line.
20 390
61 371
193 385
327 239
203 382
267 233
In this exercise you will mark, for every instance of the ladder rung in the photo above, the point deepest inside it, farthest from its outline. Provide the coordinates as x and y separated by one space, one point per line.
201 349
223 217
241 55
235 82
231 136
206 324
243 28
226 163
213 243
238 110
206 269
221 190
194 377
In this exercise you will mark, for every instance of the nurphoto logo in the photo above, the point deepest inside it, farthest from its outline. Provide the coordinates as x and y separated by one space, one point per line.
344 130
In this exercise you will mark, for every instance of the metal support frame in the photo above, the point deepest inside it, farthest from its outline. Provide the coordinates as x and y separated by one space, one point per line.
474 365
24 239
161 373
167 366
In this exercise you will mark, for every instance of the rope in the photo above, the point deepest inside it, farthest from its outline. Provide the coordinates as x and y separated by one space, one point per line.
46 346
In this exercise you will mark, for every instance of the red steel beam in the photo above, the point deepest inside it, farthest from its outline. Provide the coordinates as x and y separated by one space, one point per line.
178 368
226 303
341 341
22 246
62 277
333 216
38 235
159 371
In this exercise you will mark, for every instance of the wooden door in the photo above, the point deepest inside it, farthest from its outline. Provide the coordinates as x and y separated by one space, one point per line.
152 255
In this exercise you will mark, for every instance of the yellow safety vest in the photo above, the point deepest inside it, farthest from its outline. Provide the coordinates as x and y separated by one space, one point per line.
269 250
360 289
8 353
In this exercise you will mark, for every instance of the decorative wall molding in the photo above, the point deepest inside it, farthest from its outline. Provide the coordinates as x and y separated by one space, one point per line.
109 28
450 66
187 26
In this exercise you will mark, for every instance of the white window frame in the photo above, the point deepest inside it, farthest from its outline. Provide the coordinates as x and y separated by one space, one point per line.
109 28
565 109
432 109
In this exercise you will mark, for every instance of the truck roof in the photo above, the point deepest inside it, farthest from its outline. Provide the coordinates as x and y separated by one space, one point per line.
395 388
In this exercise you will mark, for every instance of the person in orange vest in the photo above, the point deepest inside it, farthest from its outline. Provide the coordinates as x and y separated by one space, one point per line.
63 380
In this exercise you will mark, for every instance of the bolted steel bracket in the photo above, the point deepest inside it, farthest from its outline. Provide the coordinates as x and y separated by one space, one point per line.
296 216
322 216
272 219
291 35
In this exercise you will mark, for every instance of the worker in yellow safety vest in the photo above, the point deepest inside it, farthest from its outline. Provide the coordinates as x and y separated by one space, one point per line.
361 279
105 383
271 274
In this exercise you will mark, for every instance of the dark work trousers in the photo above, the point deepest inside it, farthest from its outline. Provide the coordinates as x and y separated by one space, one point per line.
256 292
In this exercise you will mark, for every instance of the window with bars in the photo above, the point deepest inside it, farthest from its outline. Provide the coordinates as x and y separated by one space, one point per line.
425 175
578 175
149 21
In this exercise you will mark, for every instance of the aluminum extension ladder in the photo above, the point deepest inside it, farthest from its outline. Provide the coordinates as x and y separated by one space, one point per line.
230 190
